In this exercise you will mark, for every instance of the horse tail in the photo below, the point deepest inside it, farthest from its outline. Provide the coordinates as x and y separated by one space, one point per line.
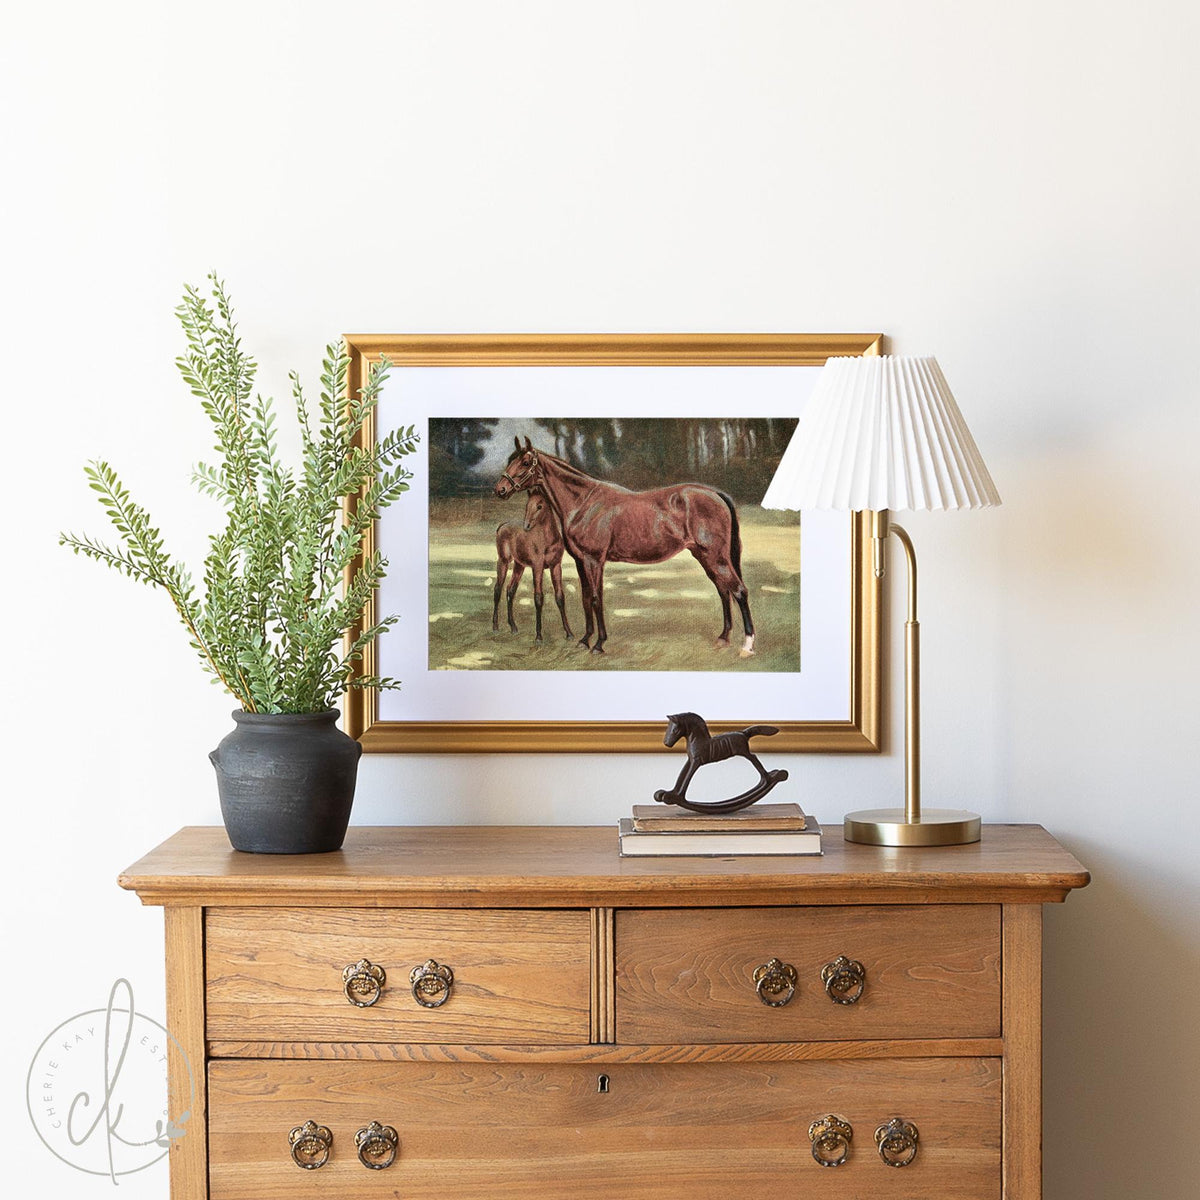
761 730
735 533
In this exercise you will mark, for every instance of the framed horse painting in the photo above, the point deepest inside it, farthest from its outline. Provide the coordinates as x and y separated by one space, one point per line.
584 550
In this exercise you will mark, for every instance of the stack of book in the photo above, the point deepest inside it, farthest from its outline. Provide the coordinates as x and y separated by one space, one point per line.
658 829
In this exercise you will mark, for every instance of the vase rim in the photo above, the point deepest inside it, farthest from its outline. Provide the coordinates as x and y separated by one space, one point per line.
242 717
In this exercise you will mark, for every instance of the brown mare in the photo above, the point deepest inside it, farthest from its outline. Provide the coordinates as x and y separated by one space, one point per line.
603 522
535 543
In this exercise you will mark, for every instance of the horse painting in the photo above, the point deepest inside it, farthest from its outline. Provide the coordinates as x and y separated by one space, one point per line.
604 522
535 543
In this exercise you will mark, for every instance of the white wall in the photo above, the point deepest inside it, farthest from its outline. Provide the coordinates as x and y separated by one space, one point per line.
1012 187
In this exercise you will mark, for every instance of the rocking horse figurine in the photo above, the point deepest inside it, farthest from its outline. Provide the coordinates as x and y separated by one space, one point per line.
704 748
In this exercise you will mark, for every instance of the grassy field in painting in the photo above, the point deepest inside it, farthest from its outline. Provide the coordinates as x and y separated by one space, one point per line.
661 617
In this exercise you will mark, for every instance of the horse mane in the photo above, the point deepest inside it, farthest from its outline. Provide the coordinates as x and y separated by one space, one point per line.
569 467
582 476
690 722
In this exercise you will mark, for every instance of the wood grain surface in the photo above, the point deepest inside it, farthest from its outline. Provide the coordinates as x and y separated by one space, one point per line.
186 1078
578 866
1023 1053
545 1132
276 974
604 1004
687 975
571 963
693 1052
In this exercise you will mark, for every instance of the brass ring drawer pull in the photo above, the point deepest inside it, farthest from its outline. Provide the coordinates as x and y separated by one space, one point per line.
897 1142
844 980
830 1136
363 982
431 984
310 1145
775 982
377 1145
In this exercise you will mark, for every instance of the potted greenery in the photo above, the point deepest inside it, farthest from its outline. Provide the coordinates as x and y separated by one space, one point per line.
285 584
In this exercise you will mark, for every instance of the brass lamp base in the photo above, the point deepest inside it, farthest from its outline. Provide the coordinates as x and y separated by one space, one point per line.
887 827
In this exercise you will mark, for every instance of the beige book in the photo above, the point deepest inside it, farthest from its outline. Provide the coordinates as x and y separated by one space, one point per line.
667 818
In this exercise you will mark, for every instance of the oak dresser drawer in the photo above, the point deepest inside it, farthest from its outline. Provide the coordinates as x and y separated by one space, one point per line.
301 975
478 1131
807 974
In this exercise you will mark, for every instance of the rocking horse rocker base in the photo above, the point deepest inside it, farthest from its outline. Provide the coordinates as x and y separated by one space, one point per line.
704 748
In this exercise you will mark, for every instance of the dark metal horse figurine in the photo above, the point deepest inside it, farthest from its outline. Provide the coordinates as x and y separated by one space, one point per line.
704 748
604 522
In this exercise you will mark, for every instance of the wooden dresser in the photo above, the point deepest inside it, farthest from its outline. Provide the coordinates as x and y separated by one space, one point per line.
488 1013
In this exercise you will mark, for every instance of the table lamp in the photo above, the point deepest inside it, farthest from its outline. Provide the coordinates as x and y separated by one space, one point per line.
879 434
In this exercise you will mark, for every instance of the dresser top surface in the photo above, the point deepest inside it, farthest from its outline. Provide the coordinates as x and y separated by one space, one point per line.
485 866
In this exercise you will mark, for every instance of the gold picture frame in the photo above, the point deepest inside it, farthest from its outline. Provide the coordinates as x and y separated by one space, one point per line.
855 732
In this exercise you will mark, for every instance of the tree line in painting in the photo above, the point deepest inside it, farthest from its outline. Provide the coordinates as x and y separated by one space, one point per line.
737 454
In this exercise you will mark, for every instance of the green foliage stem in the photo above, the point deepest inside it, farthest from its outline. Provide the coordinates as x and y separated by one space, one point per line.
285 579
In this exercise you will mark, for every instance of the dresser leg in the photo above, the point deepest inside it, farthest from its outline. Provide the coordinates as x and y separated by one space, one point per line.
188 1087
1022 1018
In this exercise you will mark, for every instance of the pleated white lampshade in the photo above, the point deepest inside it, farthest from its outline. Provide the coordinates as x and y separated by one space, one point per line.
881 433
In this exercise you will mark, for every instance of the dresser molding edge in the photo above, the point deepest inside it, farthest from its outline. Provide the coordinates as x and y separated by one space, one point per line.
713 1052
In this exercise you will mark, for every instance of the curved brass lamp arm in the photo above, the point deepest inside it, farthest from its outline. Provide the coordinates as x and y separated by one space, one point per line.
881 527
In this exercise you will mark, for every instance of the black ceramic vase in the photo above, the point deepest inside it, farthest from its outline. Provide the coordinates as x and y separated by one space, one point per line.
286 782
